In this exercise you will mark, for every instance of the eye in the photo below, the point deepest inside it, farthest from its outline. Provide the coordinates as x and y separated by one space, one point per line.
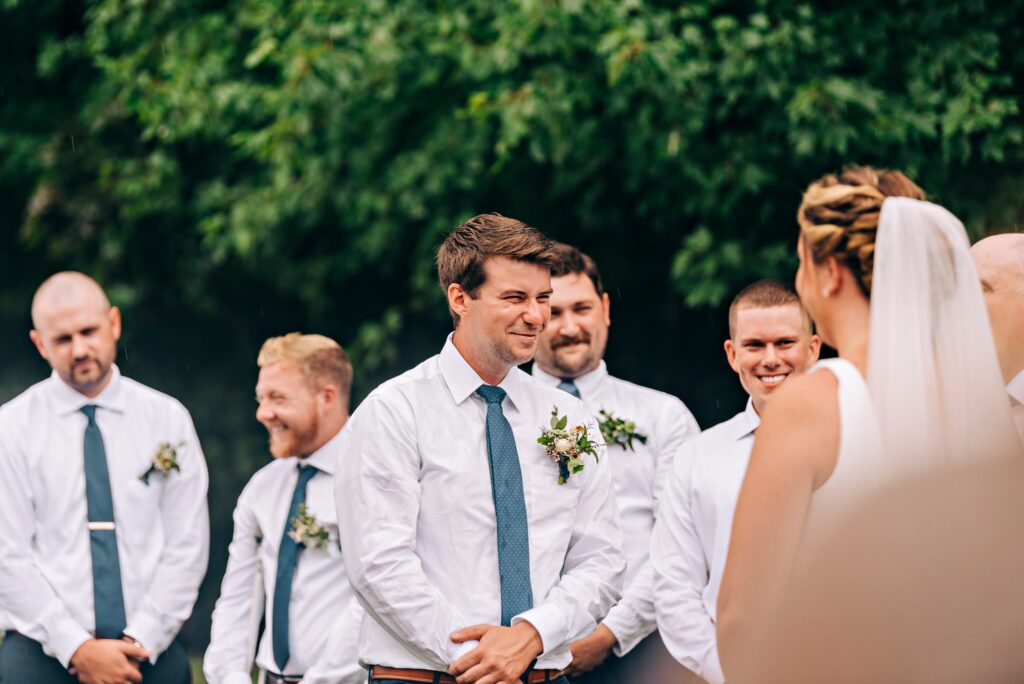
583 308
544 298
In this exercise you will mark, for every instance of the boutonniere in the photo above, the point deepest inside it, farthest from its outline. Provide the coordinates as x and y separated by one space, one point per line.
164 461
307 530
566 446
619 431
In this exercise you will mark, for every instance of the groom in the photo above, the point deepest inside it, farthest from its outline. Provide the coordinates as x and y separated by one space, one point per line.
474 563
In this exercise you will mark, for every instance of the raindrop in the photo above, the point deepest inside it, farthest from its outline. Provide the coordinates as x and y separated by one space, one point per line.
73 144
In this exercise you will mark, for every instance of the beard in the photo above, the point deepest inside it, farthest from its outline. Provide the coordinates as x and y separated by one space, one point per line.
294 439
574 365
87 374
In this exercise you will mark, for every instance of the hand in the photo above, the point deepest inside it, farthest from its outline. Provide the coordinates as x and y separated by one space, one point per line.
590 651
502 656
107 661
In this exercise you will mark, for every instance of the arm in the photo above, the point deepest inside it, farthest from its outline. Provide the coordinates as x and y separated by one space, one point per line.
339 663
228 659
681 575
378 477
175 584
794 453
633 618
33 606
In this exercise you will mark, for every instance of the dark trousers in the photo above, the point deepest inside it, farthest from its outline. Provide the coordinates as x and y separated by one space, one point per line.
22 661
649 662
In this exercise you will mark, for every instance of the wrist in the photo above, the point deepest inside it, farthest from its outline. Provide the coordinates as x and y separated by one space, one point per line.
607 636
534 644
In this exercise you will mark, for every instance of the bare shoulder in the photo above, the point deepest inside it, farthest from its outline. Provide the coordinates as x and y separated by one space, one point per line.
801 425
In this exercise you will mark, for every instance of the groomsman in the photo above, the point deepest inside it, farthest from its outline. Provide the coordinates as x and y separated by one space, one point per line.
284 553
104 532
1000 262
645 429
476 554
770 338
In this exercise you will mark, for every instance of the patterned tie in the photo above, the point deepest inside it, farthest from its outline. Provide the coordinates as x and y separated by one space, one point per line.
509 509
287 557
106 568
567 385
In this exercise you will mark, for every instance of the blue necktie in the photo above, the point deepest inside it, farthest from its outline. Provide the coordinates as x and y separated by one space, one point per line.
287 557
106 568
509 509
567 385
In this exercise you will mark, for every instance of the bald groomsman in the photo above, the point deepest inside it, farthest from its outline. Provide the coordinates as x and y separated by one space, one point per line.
103 523
770 339
644 429
1000 262
286 531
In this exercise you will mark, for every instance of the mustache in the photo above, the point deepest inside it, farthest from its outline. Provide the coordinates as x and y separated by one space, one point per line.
565 341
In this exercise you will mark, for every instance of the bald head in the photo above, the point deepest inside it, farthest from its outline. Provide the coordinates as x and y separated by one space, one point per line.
1000 263
76 330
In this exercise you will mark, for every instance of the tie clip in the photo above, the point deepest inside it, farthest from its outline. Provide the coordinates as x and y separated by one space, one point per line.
98 526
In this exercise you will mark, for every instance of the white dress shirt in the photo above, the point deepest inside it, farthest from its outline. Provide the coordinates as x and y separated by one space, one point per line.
46 589
422 550
324 615
691 540
638 477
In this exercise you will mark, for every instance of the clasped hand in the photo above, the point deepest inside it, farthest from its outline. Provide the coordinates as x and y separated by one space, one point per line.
502 655
107 661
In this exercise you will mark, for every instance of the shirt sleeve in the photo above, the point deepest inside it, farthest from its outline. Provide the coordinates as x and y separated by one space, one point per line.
236 616
339 663
172 591
681 572
594 567
30 601
633 618
378 476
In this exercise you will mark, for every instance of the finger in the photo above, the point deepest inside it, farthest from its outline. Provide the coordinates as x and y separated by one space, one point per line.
133 651
134 675
470 633
475 674
465 662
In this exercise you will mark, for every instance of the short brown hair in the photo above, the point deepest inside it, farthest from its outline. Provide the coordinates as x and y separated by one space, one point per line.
575 261
839 216
320 359
765 294
463 253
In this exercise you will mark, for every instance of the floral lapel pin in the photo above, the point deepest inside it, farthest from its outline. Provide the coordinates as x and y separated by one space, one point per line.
307 530
164 461
619 431
566 446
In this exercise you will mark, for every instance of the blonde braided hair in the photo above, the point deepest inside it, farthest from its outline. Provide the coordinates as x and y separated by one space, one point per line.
839 216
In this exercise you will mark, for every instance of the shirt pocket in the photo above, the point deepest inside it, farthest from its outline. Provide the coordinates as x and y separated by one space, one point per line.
551 507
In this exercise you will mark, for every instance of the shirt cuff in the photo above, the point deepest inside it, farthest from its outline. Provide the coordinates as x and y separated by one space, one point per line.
148 632
65 640
712 673
628 628
549 622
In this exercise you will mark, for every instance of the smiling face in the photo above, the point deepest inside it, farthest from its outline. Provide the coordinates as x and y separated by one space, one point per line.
575 339
289 409
768 345
499 327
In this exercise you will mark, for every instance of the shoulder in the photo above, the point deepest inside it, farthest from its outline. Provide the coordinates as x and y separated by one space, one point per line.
805 398
268 473
25 402
144 396
659 404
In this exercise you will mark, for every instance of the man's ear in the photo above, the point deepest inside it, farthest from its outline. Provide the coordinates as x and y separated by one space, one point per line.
730 355
815 348
37 340
328 397
114 317
607 301
458 300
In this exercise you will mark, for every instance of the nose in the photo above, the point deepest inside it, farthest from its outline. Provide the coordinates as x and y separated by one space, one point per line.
79 349
570 326
263 412
534 315
771 356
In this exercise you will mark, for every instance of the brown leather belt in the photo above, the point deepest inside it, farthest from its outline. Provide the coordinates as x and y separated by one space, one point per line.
431 677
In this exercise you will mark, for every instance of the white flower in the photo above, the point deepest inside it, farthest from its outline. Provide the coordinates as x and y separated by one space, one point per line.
562 445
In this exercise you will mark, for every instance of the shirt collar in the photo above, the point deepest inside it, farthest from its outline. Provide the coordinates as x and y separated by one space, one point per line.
68 400
588 383
748 421
325 458
1016 387
462 381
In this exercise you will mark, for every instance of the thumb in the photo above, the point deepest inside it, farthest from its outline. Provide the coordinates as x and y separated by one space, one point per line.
133 651
470 633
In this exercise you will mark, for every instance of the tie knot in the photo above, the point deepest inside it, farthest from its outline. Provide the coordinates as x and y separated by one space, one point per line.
567 385
306 472
90 412
491 394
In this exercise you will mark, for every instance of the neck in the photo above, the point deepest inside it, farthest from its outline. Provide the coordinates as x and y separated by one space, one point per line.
330 426
851 330
489 369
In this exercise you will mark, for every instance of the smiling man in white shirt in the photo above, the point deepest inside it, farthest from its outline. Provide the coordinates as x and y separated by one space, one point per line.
770 338
103 522
645 430
1000 262
472 558
285 539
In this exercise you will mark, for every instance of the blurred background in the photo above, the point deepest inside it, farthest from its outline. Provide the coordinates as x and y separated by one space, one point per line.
232 170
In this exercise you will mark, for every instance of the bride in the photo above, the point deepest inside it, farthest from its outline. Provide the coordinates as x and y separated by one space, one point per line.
916 389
